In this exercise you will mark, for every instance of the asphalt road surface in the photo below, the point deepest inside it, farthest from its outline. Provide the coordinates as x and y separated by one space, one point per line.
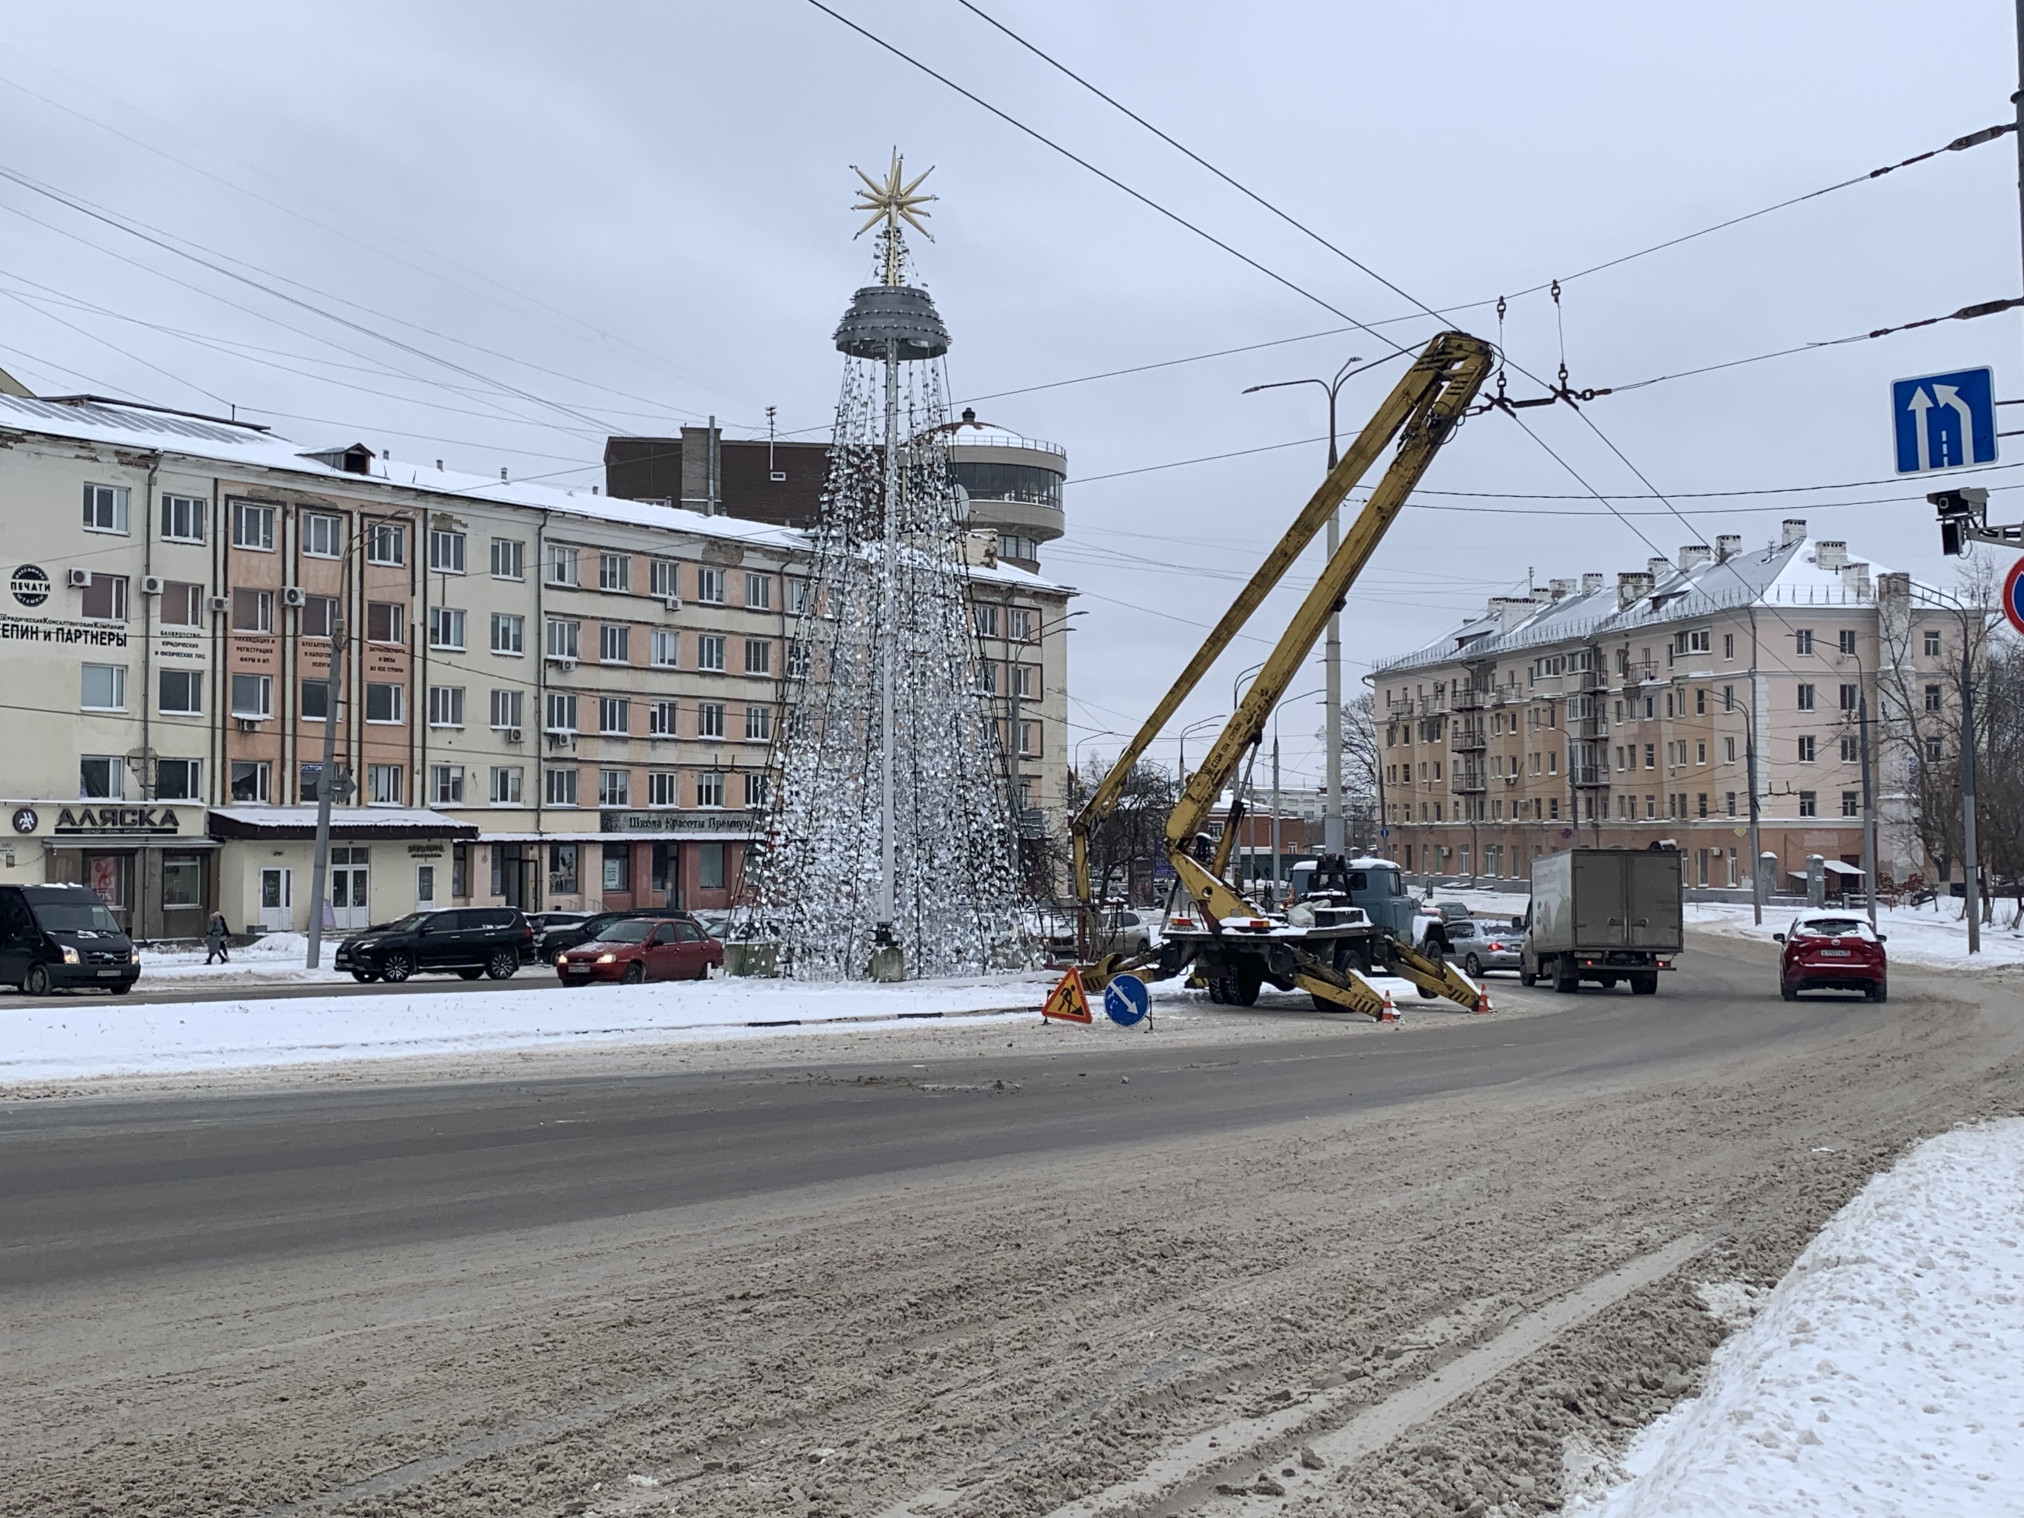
672 1289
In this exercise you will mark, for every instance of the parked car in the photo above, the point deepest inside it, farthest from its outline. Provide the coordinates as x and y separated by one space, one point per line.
1480 946
635 949
585 927
1122 930
1450 911
1832 951
465 941
53 936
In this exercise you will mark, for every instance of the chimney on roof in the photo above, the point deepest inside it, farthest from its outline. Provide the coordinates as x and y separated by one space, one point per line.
1727 546
1855 579
439 466
1693 555
1792 532
1510 610
1830 553
1560 589
502 474
1632 587
1658 568
1590 584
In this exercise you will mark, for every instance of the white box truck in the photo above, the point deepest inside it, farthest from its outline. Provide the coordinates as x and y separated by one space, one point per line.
1604 915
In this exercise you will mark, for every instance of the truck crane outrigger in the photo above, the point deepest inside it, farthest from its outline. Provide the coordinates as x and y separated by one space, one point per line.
1232 944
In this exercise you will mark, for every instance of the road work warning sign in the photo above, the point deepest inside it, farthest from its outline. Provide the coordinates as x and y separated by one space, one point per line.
1068 1002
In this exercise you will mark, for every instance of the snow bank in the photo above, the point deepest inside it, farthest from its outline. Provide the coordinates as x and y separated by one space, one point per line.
276 959
1918 936
1883 1377
94 1036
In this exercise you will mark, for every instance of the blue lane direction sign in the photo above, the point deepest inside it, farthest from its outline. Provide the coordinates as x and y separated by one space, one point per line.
1126 1000
1944 421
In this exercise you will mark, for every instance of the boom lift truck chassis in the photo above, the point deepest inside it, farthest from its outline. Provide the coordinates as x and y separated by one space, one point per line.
1226 940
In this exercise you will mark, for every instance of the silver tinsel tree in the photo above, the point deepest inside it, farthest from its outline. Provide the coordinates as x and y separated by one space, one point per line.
890 842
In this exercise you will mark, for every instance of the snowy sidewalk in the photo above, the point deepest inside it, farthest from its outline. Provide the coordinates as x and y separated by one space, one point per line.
1918 936
1883 1377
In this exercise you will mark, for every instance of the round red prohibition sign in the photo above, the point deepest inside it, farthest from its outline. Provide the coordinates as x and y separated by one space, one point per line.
2013 595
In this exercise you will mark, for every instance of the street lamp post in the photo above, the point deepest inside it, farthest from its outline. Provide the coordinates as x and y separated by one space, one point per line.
1277 852
1331 824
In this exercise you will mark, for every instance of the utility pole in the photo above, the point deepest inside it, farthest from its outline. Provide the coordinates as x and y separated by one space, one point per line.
1971 858
1757 882
1868 804
326 781
1275 811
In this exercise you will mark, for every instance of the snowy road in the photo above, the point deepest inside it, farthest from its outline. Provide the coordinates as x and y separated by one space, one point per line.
964 1271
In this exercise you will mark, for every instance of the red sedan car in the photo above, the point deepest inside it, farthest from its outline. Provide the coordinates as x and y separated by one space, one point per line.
1832 951
636 949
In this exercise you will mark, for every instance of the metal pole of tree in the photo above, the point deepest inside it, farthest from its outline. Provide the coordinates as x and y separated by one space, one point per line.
326 780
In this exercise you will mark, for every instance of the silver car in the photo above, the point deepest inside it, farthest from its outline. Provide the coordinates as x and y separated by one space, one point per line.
1478 946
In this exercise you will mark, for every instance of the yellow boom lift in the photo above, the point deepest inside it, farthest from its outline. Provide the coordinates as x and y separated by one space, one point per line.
1227 940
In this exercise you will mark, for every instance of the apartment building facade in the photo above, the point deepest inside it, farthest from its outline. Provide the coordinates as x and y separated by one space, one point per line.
1638 713
549 698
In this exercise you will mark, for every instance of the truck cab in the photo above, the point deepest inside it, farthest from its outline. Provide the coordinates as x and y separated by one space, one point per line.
1374 885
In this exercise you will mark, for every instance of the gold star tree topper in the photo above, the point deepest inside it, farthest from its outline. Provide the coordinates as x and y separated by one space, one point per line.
891 201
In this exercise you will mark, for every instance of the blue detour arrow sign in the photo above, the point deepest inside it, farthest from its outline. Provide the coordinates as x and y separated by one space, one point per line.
1126 1000
1944 421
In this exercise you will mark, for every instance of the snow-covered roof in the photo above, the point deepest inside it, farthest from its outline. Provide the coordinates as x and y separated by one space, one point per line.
345 822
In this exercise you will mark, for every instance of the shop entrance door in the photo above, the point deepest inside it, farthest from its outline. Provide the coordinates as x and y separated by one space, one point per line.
349 885
514 874
277 900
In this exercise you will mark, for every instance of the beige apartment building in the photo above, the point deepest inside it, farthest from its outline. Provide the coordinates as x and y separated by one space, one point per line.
1629 714
551 699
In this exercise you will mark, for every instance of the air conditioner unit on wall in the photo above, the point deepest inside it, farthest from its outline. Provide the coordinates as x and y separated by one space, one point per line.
221 603
513 735
79 578
674 603
291 595
151 585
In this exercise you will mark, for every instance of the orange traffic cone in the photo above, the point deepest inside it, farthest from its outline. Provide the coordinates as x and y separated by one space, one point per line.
1483 1002
1391 1010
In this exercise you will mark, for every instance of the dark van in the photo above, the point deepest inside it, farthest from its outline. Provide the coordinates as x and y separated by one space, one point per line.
62 935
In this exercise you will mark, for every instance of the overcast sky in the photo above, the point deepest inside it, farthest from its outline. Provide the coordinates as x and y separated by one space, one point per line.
623 217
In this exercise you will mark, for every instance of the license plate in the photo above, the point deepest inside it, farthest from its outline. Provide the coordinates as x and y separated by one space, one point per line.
1837 953
109 972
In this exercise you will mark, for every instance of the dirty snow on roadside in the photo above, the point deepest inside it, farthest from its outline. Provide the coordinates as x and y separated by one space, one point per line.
275 959
1918 936
1884 1376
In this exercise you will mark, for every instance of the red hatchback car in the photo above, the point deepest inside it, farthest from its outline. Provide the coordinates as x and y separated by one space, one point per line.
636 949
1832 951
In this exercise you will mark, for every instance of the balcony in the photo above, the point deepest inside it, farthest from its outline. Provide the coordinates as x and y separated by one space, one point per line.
1467 781
1590 776
1468 739
1468 698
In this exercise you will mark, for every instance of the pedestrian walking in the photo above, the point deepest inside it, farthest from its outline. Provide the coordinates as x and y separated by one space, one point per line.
217 939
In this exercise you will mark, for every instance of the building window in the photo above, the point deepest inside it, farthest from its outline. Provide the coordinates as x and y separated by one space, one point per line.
322 535
99 777
562 880
1809 804
506 709
755 790
182 604
614 715
1933 698
710 719
666 647
1728 645
386 622
614 788
386 703
105 599
710 584
446 628
1701 751
1802 639
1806 698
1933 749
509 559
1807 747
565 639
986 619
617 863
665 577
561 717
384 785
249 780
1848 698
446 785
425 885
1847 643
1851 803
1729 750
1019 620
182 519
180 692
105 508
446 706
614 643
1932 644
446 551
509 634
253 611
710 788
709 652
797 661
506 785
661 719
253 697
797 597
1851 750
758 592
387 543
315 703
1026 682
1701 804
179 780
561 787
662 789
710 866
758 724
987 677
758 656
614 571
318 617
560 568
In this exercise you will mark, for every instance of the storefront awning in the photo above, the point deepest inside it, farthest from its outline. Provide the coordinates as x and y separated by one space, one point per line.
346 822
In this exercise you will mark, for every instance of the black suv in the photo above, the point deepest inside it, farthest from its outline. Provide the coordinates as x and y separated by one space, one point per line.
62 935
566 936
469 941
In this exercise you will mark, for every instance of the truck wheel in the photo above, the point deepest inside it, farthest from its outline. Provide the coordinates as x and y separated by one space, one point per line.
1645 983
1526 976
36 982
1323 1004
1215 984
1247 977
1566 977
